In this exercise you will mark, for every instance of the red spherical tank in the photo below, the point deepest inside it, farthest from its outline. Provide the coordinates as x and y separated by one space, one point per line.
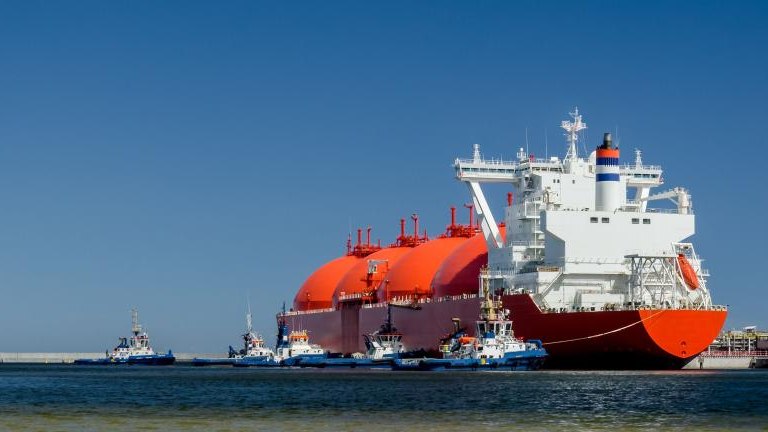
317 290
458 273
358 281
412 274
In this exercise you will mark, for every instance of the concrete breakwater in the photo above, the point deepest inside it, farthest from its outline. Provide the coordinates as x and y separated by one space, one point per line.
69 357
732 360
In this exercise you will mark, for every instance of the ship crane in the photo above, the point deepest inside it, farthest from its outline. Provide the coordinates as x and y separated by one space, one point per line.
677 195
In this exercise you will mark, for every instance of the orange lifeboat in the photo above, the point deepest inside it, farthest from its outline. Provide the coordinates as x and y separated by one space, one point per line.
687 272
466 340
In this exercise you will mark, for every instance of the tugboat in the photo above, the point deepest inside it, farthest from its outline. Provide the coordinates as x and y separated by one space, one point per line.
383 347
292 348
133 350
494 346
253 347
257 355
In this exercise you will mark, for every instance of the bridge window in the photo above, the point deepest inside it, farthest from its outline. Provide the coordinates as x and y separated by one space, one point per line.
646 221
605 220
635 221
593 220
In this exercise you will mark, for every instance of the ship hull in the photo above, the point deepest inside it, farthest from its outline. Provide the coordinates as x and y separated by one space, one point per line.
625 339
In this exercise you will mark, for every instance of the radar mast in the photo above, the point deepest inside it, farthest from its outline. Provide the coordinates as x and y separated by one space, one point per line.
135 326
572 129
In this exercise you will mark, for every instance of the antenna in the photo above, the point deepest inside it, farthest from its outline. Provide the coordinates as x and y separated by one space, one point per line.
476 157
546 145
349 236
526 142
248 323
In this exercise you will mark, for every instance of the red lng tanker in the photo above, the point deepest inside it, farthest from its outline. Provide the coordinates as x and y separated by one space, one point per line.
582 261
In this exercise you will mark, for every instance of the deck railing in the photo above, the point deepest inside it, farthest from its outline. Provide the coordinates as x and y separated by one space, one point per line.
761 353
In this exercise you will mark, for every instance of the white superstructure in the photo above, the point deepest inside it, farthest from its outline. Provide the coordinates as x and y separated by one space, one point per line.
580 234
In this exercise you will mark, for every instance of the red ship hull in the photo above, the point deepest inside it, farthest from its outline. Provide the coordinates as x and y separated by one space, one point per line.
626 339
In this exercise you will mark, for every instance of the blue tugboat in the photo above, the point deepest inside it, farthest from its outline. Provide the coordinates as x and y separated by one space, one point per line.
253 347
292 349
494 347
133 350
382 348
232 356
258 355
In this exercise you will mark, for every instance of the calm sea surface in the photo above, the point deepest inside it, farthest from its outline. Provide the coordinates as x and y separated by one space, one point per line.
62 397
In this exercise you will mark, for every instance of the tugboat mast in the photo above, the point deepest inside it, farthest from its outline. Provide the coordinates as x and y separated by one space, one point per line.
135 326
490 309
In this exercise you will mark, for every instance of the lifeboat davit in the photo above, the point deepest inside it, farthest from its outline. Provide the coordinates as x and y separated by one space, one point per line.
687 272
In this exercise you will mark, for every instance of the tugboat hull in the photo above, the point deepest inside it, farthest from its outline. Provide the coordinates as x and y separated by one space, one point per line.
255 362
523 361
150 360
344 362
298 360
202 361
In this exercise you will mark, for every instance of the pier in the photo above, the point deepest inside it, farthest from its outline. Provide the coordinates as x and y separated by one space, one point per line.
729 360
69 357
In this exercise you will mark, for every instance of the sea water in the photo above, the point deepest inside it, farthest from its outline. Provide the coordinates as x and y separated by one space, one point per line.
99 398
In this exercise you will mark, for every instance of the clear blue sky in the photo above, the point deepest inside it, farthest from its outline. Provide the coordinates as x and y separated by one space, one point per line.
179 156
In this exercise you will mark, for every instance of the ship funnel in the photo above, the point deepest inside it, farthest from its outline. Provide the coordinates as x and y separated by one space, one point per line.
607 141
608 190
